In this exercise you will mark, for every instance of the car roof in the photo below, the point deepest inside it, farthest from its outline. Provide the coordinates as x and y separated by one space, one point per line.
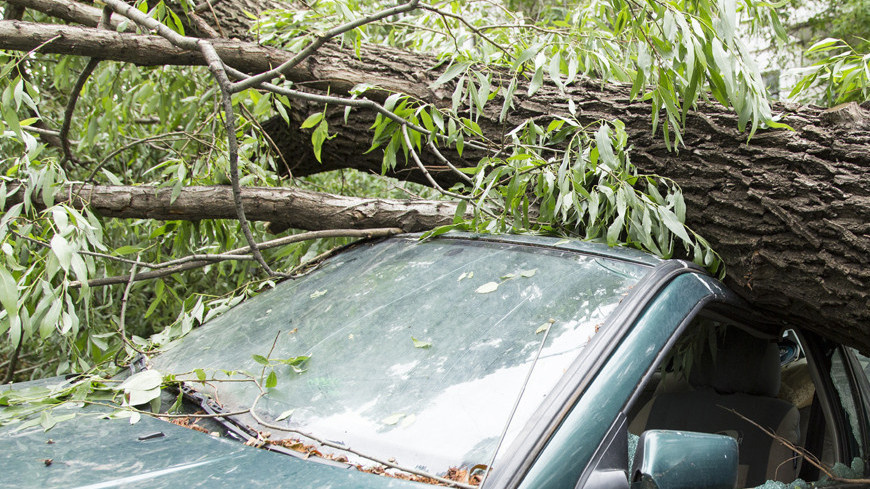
574 244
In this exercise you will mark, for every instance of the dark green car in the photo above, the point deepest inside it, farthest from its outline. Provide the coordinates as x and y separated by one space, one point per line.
525 362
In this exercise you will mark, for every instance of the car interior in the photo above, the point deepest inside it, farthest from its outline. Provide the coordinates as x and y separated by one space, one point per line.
778 394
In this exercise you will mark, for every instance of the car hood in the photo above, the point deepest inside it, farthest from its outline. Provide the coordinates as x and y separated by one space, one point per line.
90 452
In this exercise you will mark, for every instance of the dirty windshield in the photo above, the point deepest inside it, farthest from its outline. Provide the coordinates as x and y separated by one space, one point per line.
417 349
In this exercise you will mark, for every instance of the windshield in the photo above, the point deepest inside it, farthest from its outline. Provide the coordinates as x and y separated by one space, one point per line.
418 349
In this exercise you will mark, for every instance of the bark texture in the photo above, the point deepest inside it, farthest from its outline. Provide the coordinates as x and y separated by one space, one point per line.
291 207
789 211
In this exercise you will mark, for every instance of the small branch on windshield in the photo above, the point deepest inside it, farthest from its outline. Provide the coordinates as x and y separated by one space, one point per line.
121 322
165 415
185 264
269 355
336 446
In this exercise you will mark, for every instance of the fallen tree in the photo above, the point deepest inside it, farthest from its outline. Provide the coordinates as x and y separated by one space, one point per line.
787 210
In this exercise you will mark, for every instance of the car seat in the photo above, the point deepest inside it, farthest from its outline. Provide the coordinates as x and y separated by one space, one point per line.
742 376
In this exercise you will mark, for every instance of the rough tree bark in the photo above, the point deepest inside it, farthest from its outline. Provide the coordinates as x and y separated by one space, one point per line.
789 211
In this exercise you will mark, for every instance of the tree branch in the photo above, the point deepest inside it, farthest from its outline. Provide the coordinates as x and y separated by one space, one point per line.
293 207
76 12
189 265
288 65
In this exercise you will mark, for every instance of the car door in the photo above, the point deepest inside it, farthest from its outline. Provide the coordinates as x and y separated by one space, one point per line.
583 420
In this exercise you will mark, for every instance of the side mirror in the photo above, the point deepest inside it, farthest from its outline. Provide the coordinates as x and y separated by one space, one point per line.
684 460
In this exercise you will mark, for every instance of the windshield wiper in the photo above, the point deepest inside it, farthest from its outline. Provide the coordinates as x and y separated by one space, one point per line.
240 431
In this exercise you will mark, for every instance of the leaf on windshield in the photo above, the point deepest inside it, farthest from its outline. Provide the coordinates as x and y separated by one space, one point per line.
286 414
408 421
142 387
487 288
420 344
393 418
545 326
465 275
316 294
528 273
261 359
294 362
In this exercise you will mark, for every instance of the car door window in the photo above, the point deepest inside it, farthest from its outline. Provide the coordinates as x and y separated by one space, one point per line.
846 378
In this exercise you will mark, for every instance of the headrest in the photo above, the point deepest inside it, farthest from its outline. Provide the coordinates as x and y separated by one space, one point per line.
741 363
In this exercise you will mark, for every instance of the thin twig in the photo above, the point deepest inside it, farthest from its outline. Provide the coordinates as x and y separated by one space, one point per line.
150 24
121 322
203 26
45 132
165 415
104 24
216 66
444 160
269 139
128 146
516 404
423 169
462 20
71 107
346 102
330 233
812 459
315 45
269 355
13 363
199 416
214 16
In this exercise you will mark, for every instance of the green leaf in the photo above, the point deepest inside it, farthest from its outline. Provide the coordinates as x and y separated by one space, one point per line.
487 288
284 415
605 148
420 343
49 322
261 359
825 45
537 81
271 380
452 72
8 292
62 250
393 418
312 120
391 101
142 387
508 99
144 380
670 220
320 135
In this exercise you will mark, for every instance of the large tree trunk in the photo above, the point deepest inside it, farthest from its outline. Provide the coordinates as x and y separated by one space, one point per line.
789 211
